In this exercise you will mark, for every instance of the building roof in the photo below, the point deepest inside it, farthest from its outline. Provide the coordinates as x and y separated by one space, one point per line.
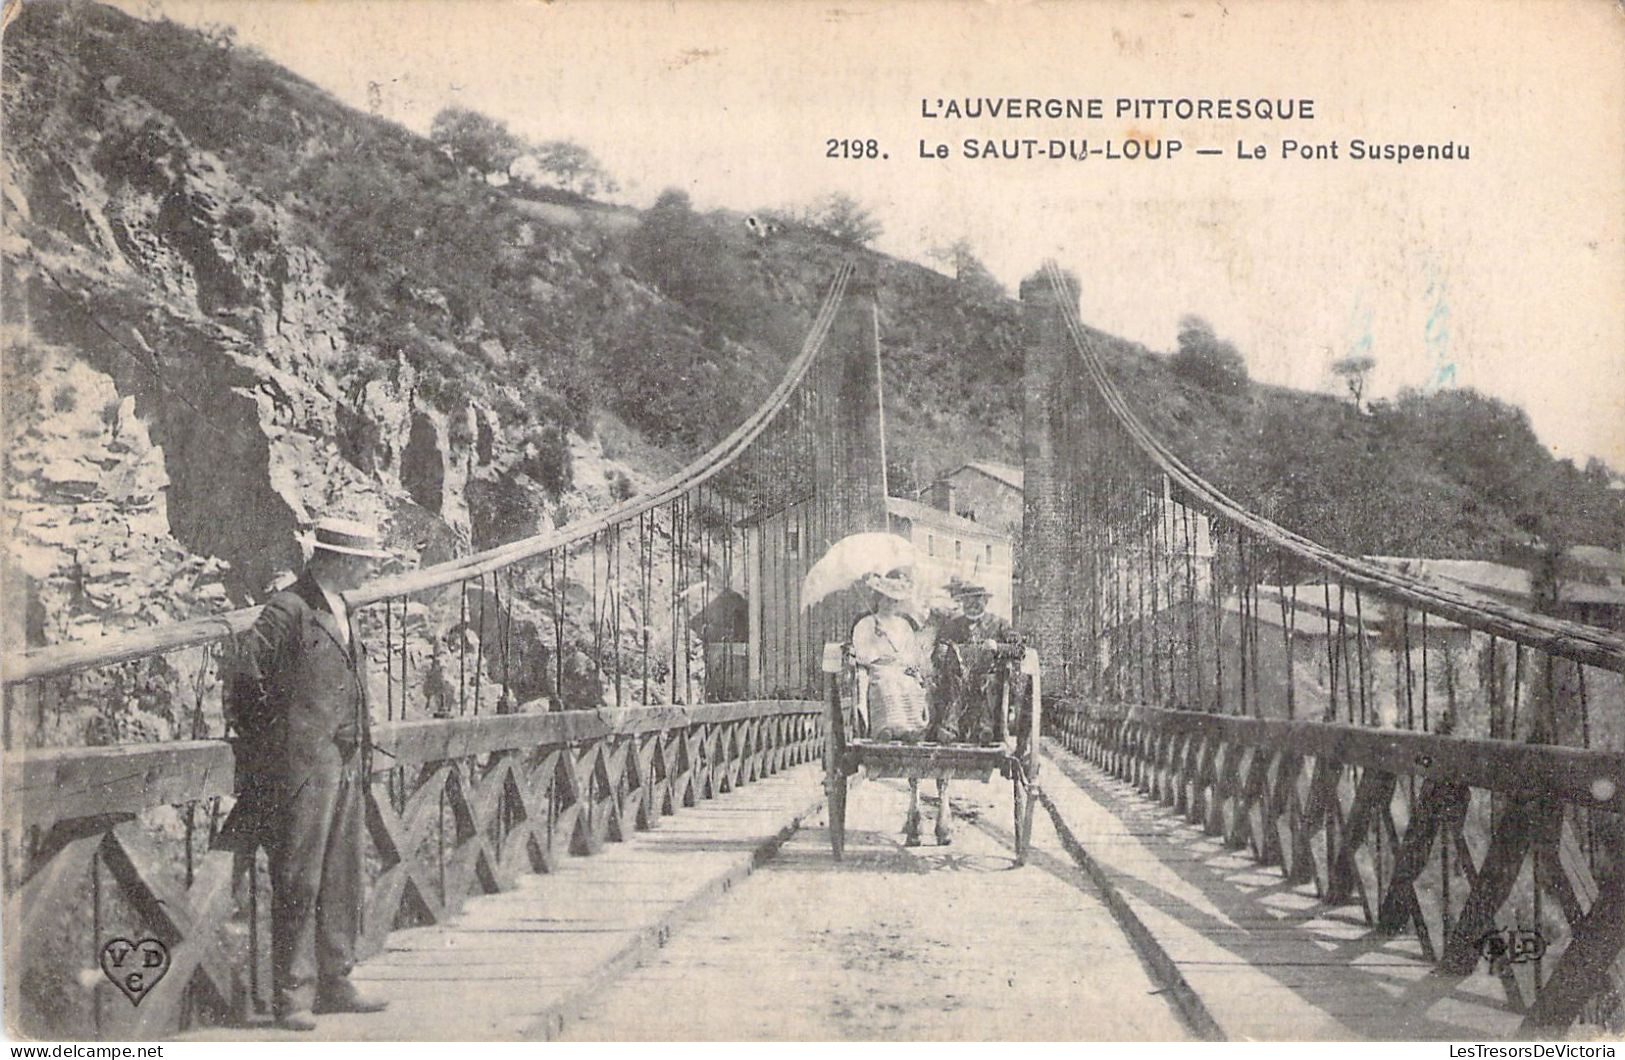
1500 579
1010 475
1598 557
925 514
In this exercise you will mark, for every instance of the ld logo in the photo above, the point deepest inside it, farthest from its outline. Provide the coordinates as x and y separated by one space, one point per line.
135 967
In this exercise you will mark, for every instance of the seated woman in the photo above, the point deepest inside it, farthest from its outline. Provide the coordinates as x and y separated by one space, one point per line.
886 642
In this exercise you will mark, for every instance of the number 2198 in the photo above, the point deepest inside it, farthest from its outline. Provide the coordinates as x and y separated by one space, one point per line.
851 149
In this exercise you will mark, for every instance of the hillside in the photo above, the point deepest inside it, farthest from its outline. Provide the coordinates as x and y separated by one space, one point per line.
231 310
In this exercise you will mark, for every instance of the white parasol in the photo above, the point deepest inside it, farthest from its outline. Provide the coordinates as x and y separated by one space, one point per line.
852 557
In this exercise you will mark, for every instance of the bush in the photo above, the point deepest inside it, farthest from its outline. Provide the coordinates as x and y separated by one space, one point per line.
569 167
470 138
843 219
1207 360
545 457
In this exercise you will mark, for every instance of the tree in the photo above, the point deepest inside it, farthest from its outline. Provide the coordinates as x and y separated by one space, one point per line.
960 259
571 167
842 218
685 257
1354 371
482 144
1206 359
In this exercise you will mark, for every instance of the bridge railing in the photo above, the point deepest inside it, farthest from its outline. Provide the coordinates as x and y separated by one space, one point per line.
464 808
534 698
1451 758
1445 837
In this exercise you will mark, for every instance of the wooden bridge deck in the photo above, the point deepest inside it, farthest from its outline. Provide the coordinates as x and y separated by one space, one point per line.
661 937
509 965
899 944
1266 958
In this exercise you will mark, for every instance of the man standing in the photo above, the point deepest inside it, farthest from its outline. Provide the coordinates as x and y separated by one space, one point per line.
974 632
298 703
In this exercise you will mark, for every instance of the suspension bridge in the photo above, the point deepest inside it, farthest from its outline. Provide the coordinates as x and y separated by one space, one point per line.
1287 793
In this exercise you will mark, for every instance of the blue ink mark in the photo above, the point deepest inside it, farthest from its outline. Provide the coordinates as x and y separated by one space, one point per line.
1436 332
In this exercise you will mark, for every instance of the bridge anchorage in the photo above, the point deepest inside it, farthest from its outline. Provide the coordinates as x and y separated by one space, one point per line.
1290 793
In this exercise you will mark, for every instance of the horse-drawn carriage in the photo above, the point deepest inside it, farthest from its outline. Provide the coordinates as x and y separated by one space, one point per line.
1009 747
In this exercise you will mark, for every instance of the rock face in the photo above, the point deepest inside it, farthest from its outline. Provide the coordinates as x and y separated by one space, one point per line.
233 305
186 388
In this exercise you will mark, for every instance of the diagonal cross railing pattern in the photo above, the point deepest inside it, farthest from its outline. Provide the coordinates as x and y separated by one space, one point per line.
1451 765
535 700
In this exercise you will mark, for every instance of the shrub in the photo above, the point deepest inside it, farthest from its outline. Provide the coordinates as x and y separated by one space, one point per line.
1207 360
470 138
843 219
545 457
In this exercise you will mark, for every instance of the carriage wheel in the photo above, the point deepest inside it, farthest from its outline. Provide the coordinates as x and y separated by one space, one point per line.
837 813
1026 771
1017 790
835 778
1026 796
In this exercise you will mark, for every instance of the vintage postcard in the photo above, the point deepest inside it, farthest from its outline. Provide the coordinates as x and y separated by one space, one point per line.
717 521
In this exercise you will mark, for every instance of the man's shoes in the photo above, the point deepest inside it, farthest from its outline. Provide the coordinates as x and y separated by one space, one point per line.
297 1020
342 996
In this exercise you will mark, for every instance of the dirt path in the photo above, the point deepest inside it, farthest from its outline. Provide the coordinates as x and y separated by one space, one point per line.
894 943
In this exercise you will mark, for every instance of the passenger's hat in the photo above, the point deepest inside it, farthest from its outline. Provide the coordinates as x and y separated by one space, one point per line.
962 588
348 536
896 585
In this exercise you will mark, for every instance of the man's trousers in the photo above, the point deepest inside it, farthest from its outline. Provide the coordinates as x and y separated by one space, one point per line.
316 878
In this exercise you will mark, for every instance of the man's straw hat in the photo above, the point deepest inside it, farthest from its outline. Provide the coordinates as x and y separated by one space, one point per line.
348 536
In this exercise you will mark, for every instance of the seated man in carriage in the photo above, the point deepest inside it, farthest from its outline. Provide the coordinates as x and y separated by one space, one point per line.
969 648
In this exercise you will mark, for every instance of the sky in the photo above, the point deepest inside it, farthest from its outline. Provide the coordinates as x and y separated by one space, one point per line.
1504 272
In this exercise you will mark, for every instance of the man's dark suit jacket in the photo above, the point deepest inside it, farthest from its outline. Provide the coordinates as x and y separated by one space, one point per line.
295 687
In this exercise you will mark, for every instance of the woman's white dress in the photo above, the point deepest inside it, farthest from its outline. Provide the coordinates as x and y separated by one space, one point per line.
890 647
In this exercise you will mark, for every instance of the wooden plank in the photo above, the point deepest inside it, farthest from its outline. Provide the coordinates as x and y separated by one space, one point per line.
1582 971
211 899
47 785
1284 814
926 759
171 910
1437 804
1316 813
433 740
396 839
1374 790
115 648
1509 842
1256 826
1583 776
39 903
473 857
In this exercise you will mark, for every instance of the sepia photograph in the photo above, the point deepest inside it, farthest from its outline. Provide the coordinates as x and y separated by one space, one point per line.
838 520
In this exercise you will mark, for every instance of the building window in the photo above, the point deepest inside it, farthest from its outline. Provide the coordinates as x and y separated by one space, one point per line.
959 550
792 541
989 559
930 544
